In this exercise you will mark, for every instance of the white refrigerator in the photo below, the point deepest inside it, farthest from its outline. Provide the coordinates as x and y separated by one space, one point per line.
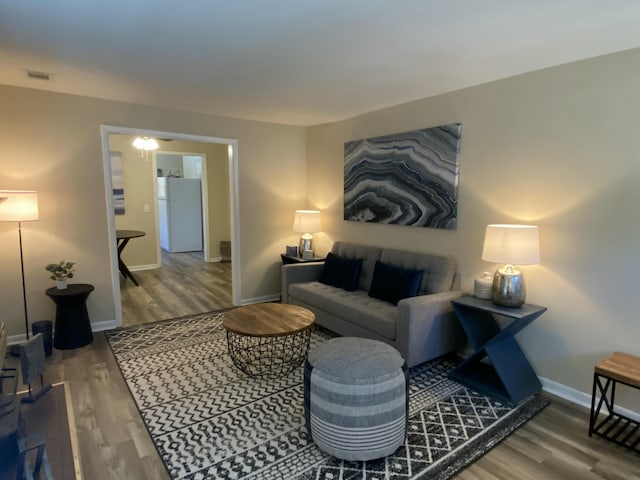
180 214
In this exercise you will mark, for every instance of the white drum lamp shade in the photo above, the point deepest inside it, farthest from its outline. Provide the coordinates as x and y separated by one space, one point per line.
511 245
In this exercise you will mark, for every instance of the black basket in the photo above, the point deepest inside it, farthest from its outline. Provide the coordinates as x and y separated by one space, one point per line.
45 328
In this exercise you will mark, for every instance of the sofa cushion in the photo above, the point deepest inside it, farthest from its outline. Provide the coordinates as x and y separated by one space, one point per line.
438 270
368 254
341 272
392 284
356 307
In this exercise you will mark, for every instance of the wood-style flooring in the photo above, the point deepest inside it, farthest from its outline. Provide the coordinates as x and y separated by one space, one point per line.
184 285
114 444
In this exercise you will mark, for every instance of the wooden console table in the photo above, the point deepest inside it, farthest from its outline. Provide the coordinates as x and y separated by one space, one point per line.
507 375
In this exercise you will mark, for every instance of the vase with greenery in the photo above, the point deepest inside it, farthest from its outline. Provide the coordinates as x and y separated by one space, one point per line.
60 272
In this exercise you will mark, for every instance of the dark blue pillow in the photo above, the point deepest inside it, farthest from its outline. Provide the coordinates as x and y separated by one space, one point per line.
392 284
341 272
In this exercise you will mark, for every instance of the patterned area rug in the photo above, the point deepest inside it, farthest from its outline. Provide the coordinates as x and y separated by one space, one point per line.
208 420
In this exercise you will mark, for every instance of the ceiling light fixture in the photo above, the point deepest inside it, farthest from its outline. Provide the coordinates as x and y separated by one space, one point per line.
144 144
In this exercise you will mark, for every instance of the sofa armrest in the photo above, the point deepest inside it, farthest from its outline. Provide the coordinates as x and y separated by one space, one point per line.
428 327
298 273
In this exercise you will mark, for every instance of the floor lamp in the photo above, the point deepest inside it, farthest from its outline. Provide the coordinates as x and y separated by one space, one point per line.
19 206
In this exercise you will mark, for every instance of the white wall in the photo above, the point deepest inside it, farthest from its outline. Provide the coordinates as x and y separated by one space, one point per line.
170 164
138 182
192 166
558 148
51 143
188 166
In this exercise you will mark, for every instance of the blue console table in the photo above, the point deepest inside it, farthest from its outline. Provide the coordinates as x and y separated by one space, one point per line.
497 367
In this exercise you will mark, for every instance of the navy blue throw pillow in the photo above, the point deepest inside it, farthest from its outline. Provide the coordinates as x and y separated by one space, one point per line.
392 284
341 272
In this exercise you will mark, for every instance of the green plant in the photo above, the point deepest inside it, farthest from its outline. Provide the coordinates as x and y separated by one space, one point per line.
60 271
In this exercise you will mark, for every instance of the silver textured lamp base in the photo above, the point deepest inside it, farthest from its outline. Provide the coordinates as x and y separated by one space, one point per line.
508 287
306 243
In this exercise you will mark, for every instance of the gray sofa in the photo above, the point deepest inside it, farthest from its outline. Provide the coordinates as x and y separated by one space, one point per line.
420 328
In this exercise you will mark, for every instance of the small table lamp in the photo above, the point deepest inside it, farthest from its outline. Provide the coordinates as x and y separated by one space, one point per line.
306 222
510 244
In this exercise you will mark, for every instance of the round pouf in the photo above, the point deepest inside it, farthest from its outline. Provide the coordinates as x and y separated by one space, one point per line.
356 398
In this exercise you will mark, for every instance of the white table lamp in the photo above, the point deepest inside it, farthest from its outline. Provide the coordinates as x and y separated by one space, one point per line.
511 245
306 222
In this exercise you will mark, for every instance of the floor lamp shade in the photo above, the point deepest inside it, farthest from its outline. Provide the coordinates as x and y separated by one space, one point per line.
511 245
18 206
306 222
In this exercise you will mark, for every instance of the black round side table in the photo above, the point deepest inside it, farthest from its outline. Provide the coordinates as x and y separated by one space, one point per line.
73 328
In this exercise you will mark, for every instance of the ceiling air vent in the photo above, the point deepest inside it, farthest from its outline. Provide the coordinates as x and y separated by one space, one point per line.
36 75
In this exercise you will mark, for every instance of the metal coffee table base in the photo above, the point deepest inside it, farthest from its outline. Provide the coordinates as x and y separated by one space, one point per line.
268 356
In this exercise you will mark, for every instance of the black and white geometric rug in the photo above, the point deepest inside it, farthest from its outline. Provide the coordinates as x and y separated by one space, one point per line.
209 420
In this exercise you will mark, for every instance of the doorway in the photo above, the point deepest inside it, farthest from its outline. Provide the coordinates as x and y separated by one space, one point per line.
231 183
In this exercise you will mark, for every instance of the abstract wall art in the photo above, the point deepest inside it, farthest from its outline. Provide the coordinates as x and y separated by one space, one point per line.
408 178
117 183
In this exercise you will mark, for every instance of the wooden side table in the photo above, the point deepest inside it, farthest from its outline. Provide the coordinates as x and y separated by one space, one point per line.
507 375
616 368
73 328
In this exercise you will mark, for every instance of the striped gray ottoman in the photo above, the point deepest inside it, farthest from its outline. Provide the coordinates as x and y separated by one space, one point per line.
356 398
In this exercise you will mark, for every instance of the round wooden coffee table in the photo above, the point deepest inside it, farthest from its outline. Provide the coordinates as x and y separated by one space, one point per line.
268 338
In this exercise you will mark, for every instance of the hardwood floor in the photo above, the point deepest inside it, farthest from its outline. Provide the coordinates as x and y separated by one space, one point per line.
185 284
114 443
554 445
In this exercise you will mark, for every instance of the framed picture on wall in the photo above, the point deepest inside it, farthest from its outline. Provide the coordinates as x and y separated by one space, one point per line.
117 183
408 178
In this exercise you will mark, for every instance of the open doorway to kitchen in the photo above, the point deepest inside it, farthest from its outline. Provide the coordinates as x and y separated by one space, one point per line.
178 279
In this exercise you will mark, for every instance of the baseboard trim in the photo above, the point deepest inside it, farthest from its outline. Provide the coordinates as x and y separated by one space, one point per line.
579 398
104 325
138 268
16 339
266 298
95 327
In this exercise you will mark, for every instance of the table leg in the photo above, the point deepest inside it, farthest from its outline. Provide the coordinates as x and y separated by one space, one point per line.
121 265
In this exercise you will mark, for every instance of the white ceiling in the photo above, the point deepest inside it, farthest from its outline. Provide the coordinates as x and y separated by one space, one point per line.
300 62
